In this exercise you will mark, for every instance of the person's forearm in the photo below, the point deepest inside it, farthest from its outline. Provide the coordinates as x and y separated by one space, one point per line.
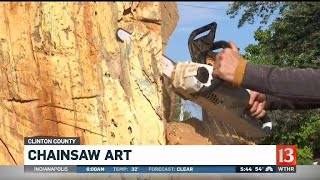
276 103
300 84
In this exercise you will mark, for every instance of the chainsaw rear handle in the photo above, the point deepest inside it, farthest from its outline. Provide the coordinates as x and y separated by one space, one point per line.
266 124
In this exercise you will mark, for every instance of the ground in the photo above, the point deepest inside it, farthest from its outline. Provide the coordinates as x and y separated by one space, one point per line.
188 132
195 132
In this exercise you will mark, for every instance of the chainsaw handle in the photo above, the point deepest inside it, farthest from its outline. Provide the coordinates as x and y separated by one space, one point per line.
210 36
220 44
266 124
201 47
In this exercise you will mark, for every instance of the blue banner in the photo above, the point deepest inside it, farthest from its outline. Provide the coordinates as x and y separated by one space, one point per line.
156 169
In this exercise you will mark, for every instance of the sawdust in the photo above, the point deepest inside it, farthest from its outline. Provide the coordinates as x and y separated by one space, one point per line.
195 132
188 132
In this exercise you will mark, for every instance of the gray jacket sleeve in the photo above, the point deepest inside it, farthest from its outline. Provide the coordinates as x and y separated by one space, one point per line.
287 88
276 103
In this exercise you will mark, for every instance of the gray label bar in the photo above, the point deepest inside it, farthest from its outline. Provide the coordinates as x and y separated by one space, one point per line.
49 169
51 141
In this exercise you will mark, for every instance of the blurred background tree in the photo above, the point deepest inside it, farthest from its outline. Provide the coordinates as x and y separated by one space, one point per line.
186 114
291 40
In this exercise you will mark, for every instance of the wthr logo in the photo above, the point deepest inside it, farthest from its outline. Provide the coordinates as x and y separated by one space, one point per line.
286 155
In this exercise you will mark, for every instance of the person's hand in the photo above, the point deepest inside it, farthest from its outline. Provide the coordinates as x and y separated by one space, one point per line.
226 63
257 103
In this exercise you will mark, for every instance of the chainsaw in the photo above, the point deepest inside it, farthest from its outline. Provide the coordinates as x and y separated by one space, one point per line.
194 81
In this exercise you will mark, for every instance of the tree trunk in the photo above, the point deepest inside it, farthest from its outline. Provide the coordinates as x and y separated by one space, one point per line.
64 73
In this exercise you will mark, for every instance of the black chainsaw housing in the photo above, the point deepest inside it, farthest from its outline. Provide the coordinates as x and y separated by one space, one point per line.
203 46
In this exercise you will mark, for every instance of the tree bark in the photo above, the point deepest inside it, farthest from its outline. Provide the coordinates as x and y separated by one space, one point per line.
64 73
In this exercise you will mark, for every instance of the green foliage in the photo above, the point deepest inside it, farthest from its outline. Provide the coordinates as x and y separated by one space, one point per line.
176 116
187 114
292 40
301 128
305 156
252 8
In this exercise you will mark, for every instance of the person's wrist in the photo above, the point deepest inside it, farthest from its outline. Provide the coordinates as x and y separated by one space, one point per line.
239 73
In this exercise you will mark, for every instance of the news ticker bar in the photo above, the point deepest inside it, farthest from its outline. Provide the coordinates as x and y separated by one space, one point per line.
159 169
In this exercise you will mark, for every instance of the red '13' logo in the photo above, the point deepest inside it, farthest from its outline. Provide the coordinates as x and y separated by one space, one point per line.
286 155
